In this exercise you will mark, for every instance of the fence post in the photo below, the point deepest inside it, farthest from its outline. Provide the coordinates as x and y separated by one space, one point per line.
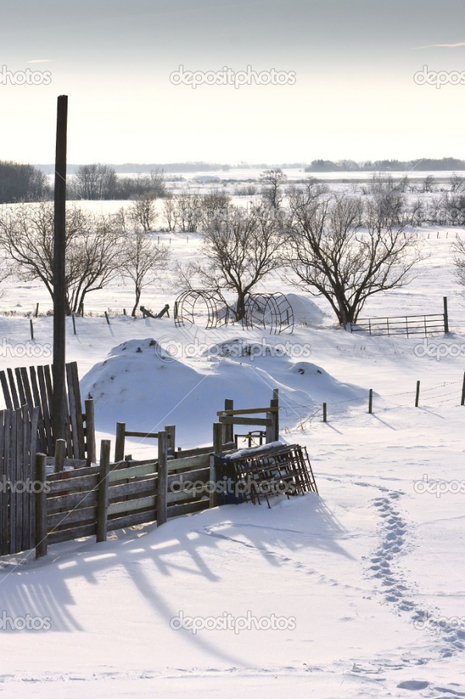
120 438
217 449
324 413
370 401
32 328
171 439
275 404
90 431
463 390
228 429
60 450
102 502
217 438
417 395
107 318
162 492
213 480
74 323
446 316
41 507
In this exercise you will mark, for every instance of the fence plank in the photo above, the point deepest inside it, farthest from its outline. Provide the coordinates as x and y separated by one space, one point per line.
73 386
14 394
4 549
91 449
178 510
70 534
74 501
235 420
162 479
71 518
132 520
132 472
102 512
41 508
189 462
6 391
132 505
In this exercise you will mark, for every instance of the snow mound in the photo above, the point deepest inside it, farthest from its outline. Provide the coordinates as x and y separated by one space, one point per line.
238 347
306 312
146 387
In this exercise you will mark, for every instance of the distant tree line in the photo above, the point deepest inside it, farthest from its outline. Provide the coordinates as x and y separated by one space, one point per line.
394 165
26 183
20 182
98 181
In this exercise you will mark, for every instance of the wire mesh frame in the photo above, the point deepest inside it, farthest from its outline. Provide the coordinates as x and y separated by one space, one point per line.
269 311
285 469
212 300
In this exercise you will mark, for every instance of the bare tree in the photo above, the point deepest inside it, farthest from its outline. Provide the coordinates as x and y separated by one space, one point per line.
332 256
458 248
188 212
94 181
92 249
142 261
429 183
457 183
273 181
241 250
143 211
169 208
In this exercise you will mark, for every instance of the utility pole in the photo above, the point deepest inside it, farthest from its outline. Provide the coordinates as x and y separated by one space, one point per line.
59 288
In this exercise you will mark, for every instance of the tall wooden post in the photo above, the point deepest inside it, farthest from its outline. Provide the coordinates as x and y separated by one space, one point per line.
59 288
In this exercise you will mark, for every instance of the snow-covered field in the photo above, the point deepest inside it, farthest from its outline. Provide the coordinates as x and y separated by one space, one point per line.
366 582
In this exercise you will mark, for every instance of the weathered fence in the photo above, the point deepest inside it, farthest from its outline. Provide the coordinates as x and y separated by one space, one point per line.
18 437
34 388
98 499
91 500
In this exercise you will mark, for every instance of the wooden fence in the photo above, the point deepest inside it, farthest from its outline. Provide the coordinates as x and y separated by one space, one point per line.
84 500
94 500
18 438
34 388
98 499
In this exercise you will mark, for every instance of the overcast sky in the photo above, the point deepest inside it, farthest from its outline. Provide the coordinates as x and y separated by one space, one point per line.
348 68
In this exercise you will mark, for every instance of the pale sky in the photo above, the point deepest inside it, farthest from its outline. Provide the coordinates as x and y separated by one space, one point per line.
353 93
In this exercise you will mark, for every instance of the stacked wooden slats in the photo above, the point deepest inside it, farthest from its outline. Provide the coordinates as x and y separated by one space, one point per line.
18 436
33 387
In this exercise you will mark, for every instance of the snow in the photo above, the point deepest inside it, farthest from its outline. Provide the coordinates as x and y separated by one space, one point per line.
367 578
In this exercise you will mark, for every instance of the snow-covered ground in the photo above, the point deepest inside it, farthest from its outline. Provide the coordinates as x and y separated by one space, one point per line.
359 592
